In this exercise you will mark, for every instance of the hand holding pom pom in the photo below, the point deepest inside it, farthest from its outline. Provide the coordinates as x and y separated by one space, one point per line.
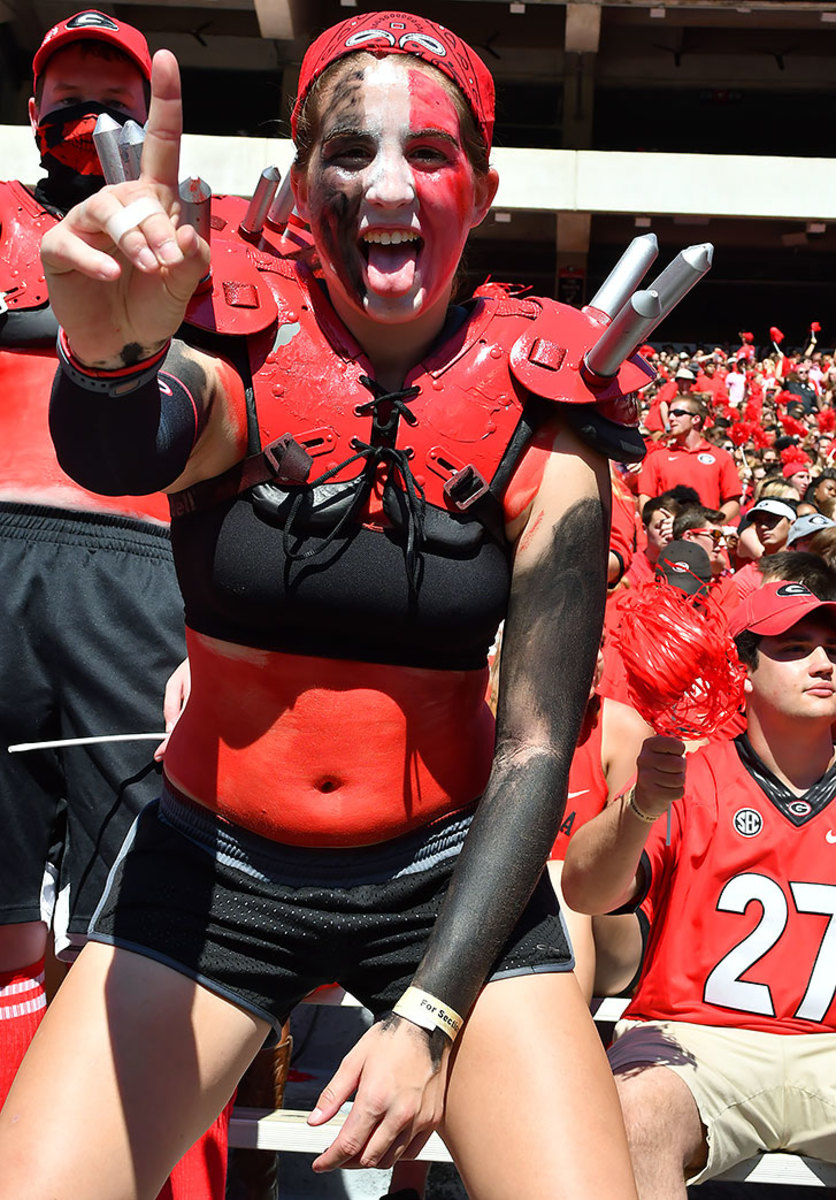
683 672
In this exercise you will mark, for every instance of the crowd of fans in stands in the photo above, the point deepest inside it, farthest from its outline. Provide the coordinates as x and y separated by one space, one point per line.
773 419
768 412
735 502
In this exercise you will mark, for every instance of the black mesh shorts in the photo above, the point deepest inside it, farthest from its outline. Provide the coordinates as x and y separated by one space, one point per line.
91 628
262 924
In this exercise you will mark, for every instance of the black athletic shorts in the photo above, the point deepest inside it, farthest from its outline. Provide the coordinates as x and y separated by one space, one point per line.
262 924
91 626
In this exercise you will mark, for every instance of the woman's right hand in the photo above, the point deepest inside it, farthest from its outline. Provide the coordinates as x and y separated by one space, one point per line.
399 1081
119 302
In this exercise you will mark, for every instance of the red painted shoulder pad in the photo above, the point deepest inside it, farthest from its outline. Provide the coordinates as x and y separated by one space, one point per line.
23 222
547 360
548 356
240 297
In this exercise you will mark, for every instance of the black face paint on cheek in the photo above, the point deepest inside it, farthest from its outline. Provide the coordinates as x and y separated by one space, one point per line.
336 208
347 249
338 221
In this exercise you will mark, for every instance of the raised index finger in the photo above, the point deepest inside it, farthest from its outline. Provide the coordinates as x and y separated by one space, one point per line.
161 149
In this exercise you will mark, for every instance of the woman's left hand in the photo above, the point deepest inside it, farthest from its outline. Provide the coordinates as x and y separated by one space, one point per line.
399 1083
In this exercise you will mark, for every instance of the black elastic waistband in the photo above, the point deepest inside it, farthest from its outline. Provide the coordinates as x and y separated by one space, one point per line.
42 522
299 866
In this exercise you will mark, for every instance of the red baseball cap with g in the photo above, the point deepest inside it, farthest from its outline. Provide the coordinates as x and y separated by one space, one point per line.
90 23
775 607
403 33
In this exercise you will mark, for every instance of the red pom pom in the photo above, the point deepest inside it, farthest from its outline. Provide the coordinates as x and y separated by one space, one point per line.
815 327
761 438
794 428
775 334
683 672
747 337
826 420
794 454
739 432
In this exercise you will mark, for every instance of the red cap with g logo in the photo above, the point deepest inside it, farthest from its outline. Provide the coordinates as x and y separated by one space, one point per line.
90 23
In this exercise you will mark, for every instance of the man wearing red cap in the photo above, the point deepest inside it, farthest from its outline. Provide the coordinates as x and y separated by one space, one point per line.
92 618
87 65
726 1046
688 458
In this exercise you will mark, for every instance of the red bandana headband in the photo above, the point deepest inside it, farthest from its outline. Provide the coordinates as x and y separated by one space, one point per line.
403 33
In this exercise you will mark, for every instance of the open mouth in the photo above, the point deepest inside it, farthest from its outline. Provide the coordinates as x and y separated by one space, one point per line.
391 257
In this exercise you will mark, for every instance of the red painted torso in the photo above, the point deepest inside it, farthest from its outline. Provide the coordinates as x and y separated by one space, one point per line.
324 752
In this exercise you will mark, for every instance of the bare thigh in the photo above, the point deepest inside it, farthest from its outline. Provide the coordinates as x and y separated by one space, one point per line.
531 1104
132 1063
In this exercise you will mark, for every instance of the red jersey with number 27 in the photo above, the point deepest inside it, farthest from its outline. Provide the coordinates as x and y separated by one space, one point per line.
742 906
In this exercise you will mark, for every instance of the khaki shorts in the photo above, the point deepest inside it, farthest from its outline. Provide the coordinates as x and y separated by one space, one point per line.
754 1091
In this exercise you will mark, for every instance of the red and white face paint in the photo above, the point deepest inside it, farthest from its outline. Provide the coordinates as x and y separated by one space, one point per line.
389 192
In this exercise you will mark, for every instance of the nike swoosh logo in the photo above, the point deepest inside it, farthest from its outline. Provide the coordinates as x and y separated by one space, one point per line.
572 795
830 836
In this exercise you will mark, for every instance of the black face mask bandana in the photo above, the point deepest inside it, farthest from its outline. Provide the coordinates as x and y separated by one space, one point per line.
68 153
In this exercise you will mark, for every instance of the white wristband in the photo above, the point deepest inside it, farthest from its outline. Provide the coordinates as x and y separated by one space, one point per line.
429 1013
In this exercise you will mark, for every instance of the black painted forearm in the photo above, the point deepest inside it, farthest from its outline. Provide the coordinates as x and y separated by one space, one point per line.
548 656
134 444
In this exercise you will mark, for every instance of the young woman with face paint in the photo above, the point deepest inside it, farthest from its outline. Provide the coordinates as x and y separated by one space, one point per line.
337 802
391 197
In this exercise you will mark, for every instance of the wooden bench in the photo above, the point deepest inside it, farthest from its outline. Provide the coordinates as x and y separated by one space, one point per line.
287 1130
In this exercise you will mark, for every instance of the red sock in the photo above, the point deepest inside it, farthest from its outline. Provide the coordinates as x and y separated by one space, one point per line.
22 1006
201 1172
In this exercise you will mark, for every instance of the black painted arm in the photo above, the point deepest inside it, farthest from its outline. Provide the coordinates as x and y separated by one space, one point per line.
550 643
